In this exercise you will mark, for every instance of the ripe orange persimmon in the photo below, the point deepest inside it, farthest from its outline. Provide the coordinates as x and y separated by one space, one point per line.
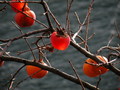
60 42
36 72
25 19
1 63
18 6
94 70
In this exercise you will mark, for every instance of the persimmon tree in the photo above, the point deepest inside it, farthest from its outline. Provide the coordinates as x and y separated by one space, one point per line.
54 36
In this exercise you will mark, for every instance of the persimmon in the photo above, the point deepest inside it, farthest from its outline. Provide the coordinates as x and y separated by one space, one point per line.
36 72
60 42
25 18
92 70
1 63
19 5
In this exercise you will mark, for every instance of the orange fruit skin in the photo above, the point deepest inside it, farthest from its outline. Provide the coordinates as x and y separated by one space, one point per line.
1 63
36 72
24 21
59 42
17 6
93 70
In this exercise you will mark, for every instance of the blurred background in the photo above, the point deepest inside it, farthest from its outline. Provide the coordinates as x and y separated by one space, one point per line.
104 14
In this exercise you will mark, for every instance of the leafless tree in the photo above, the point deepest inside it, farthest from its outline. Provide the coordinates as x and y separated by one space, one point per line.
41 46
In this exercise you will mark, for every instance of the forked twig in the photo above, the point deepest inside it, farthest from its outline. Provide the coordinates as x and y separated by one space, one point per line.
13 78
54 18
69 5
45 6
25 41
88 14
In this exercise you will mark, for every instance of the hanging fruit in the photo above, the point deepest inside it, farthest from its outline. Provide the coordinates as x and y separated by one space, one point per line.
25 18
60 42
92 70
36 72
18 5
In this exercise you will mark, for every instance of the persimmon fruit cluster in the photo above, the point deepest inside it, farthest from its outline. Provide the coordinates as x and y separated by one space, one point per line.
60 42
36 72
24 16
92 70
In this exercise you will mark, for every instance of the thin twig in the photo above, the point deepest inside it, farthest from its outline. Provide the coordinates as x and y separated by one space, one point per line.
26 35
13 78
54 18
45 57
116 49
2 9
5 48
78 19
110 40
83 88
117 30
25 41
45 6
20 82
99 81
88 20
69 5
74 36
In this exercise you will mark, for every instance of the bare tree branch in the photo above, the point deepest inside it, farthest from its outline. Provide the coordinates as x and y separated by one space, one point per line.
92 56
51 69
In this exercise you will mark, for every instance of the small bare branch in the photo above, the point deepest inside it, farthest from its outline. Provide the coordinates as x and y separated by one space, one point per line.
45 6
26 41
89 11
99 81
83 88
26 35
13 78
